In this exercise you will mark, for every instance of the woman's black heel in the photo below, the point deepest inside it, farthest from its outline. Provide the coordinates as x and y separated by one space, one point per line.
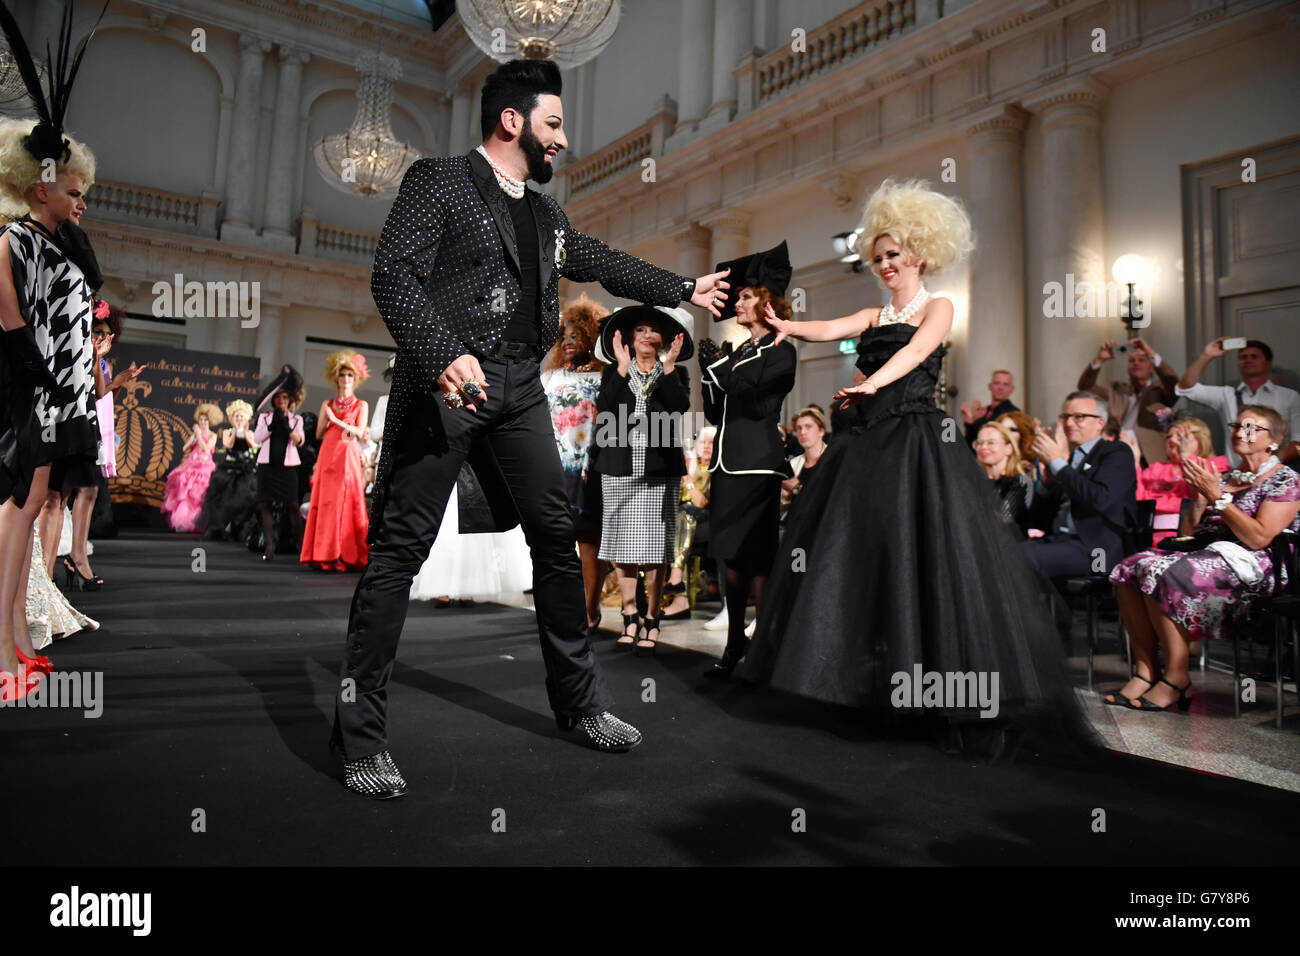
1183 702
75 578
648 643
625 639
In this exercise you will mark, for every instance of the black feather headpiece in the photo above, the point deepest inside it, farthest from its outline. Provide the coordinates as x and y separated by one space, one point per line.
46 140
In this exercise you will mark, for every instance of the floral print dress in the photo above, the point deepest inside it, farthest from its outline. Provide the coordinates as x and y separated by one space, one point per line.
1198 589
571 394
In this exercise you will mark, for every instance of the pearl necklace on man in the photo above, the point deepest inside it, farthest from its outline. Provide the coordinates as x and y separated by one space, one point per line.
888 316
514 188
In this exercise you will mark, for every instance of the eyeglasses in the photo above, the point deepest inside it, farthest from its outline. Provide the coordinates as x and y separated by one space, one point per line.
986 442
1077 417
1248 428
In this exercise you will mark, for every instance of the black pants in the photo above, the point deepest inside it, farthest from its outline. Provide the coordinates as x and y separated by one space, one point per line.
516 422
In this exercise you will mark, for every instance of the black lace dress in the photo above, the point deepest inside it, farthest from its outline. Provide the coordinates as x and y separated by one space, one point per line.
895 557
230 505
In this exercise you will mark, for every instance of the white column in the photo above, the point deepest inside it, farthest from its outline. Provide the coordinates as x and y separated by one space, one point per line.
284 157
225 107
268 338
695 70
730 234
237 224
732 29
694 246
457 143
995 337
1071 208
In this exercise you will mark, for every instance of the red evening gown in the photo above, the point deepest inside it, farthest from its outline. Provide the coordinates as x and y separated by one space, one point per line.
337 525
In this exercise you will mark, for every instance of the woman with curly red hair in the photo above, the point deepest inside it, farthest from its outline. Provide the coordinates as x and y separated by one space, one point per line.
337 524
571 377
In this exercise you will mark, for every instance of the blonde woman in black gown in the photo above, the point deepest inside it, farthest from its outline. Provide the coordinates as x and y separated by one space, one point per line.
896 558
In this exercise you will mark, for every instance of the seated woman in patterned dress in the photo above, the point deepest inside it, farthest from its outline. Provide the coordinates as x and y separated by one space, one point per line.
1173 597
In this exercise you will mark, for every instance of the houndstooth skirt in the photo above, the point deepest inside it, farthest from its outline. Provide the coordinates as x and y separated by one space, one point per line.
639 519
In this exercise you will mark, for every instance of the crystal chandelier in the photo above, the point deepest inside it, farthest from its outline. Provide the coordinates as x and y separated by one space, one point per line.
368 160
570 32
12 87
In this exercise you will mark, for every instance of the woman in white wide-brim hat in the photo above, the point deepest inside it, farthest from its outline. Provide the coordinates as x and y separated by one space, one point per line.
637 451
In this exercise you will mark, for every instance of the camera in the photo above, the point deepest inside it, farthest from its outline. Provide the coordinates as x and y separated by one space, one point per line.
1121 349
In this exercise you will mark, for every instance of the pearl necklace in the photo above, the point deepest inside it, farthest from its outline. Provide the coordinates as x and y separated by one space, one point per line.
1239 477
514 188
889 317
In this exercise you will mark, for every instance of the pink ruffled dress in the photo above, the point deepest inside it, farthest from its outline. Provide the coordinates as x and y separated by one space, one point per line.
187 484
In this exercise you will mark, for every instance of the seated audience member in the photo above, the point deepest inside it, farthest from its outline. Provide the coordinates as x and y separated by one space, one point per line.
976 415
1000 459
1163 482
692 525
1021 427
1171 597
1255 363
1089 494
1135 402
810 430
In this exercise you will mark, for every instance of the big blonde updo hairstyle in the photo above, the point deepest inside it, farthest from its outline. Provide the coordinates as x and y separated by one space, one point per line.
929 225
20 170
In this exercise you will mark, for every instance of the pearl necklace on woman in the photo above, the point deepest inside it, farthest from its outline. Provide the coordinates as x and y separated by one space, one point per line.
1239 477
890 317
514 188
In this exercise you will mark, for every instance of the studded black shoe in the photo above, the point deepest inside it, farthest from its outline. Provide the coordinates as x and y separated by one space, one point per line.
375 776
602 732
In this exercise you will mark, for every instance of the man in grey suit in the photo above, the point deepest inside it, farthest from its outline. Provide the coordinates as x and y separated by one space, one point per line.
466 278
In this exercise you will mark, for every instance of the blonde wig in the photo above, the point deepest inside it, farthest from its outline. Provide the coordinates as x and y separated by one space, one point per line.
212 411
20 170
353 362
929 225
237 406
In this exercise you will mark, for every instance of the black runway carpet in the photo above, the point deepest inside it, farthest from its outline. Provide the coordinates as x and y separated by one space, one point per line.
218 688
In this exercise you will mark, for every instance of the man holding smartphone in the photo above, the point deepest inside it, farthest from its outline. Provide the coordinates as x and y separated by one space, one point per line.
1134 403
1255 363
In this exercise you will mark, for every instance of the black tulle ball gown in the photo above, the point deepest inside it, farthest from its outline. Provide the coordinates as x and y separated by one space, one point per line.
897 557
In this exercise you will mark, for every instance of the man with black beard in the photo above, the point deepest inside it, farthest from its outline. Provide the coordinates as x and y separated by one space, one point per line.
466 277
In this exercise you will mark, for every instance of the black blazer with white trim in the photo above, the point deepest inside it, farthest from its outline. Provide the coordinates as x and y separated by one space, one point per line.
743 398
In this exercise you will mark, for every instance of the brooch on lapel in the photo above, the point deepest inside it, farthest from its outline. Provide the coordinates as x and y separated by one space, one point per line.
559 249
1087 466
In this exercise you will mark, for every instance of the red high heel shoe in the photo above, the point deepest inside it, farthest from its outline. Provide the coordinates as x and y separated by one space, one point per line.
16 688
40 663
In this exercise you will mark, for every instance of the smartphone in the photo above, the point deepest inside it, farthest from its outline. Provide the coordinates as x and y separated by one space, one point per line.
1230 344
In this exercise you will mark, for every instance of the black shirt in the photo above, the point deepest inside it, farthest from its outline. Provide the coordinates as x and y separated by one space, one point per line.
524 323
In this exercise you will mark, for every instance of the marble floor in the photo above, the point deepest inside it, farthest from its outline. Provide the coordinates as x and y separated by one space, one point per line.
1208 738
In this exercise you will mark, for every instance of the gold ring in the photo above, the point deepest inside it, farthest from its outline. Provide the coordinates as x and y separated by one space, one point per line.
452 399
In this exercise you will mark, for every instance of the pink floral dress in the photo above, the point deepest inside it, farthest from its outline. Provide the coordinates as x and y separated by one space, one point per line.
1198 589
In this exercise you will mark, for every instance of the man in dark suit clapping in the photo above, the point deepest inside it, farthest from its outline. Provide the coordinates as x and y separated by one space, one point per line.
1091 493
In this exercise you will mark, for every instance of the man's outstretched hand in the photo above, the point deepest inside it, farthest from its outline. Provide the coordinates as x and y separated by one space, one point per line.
711 292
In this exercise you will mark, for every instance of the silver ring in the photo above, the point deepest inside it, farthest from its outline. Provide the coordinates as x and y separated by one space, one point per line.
470 388
452 399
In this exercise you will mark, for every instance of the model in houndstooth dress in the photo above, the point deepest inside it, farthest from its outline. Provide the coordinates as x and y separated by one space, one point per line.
640 512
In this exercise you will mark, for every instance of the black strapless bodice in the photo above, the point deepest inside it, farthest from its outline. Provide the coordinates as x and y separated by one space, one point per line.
911 394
